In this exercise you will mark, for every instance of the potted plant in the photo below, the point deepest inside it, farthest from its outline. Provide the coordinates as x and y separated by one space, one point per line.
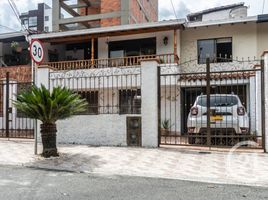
165 127
48 107
16 46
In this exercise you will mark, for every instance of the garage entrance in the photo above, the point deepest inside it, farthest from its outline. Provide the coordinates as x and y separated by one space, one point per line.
212 108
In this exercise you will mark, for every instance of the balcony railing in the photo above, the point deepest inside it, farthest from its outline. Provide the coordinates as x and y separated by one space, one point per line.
111 62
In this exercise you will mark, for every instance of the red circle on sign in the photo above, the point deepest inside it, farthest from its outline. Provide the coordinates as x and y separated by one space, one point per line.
38 47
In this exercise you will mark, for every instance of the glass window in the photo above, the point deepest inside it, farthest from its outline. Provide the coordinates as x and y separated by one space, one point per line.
117 54
218 101
136 47
46 29
46 18
32 21
25 22
218 50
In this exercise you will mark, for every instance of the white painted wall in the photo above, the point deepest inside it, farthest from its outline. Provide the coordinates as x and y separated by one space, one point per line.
244 37
93 130
160 47
171 107
219 15
262 36
48 12
149 104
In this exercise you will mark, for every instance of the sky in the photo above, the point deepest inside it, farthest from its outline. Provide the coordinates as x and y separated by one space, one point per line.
182 8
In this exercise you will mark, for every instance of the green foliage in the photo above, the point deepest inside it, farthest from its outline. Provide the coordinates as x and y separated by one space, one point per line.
166 124
48 107
14 44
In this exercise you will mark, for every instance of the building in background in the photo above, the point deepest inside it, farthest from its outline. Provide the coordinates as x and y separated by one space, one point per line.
232 11
102 13
39 20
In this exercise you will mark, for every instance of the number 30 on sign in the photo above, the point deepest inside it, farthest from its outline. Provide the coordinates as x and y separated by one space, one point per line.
37 51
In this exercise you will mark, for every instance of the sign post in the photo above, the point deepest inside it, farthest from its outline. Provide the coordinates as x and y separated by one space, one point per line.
37 55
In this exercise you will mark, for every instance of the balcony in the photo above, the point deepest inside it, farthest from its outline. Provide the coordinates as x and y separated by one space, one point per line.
111 62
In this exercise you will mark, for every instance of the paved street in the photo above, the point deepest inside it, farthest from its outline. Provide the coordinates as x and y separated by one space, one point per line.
26 184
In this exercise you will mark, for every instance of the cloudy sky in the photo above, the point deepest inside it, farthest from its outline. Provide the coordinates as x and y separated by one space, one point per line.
182 7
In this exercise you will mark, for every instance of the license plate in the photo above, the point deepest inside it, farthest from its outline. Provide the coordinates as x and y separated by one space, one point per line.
216 118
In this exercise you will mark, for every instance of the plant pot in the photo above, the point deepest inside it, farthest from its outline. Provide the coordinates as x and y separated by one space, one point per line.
164 132
49 140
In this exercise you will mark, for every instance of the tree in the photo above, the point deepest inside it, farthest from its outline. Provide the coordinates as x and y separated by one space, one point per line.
48 107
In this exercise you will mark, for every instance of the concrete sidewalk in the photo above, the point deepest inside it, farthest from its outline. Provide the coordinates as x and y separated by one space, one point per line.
217 167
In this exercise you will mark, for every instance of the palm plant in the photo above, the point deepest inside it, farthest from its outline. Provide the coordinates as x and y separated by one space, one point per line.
48 107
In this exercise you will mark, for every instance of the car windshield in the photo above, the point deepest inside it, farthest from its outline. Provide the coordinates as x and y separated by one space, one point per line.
218 101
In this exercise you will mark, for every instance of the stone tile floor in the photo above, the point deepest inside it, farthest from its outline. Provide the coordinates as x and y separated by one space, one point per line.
242 168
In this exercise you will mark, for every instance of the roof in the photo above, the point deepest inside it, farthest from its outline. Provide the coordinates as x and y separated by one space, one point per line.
115 30
215 9
86 34
221 22
18 36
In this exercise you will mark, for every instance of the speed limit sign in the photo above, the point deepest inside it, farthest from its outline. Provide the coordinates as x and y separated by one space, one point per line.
37 51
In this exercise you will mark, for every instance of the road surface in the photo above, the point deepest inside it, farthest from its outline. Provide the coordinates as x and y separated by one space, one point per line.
29 183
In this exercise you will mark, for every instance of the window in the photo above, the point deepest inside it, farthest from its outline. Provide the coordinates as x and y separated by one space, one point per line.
218 50
25 22
92 98
46 18
32 21
218 101
135 47
130 101
46 29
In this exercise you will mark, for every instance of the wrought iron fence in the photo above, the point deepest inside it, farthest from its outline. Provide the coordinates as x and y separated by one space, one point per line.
14 124
218 104
107 91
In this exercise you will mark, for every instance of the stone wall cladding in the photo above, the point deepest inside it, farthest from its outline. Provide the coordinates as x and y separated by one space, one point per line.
21 73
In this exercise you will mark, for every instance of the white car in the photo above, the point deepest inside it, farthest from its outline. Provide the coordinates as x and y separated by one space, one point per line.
228 115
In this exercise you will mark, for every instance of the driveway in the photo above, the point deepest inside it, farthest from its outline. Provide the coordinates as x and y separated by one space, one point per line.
217 167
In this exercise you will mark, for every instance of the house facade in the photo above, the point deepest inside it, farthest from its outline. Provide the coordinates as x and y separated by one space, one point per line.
106 66
142 81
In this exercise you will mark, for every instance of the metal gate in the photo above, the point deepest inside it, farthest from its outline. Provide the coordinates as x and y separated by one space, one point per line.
212 105
13 124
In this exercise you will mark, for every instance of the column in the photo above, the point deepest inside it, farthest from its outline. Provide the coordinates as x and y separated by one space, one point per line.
265 57
149 105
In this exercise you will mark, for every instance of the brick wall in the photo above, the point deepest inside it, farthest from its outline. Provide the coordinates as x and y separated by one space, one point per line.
110 6
143 11
22 73
94 9
138 8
